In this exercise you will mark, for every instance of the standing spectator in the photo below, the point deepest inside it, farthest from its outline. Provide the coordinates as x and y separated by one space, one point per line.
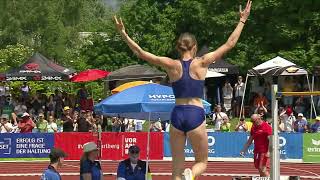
90 169
315 128
241 126
20 108
131 125
83 124
138 126
156 126
51 105
217 117
5 126
59 103
67 120
52 126
25 90
227 91
133 168
288 86
2 96
260 100
238 95
98 122
262 111
225 126
116 124
301 124
56 161
83 96
42 124
26 125
260 134
288 119
300 105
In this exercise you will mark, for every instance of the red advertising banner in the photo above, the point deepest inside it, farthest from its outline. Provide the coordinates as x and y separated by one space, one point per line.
72 143
114 145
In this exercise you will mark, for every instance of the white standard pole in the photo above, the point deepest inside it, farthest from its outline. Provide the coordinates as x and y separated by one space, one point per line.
148 149
275 158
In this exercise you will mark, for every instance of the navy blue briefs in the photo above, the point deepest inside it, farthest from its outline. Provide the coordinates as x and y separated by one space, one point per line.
187 117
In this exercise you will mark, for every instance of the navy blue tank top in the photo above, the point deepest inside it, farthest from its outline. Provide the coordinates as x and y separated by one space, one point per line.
187 87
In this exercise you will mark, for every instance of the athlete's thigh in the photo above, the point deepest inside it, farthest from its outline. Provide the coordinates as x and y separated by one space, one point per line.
199 141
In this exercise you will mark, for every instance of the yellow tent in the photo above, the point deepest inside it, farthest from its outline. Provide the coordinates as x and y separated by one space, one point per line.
128 85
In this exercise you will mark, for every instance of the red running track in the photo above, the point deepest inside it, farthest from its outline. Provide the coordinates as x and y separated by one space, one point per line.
31 170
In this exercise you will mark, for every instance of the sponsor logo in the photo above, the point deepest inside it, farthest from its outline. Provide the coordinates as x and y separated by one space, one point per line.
219 70
5 146
211 143
260 178
32 66
161 97
315 142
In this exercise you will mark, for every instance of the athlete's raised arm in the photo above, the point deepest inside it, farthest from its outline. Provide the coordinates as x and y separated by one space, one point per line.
218 53
151 58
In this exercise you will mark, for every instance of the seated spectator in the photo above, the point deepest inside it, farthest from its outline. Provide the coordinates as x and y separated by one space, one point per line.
241 126
5 126
156 126
217 117
281 126
56 161
288 119
133 168
315 128
260 100
67 120
42 124
52 126
26 124
90 168
225 126
301 124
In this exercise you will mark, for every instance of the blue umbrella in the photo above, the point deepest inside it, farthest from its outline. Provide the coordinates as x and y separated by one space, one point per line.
148 101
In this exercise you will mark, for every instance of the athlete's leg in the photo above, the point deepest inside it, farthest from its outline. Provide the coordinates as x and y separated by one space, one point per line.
199 141
177 142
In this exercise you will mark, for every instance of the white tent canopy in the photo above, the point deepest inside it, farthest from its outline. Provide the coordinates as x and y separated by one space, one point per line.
214 74
277 66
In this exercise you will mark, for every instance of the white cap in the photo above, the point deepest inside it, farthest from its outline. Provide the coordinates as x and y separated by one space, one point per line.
300 114
25 115
89 146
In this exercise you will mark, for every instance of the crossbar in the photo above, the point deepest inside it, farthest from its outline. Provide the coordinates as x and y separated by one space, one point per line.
308 93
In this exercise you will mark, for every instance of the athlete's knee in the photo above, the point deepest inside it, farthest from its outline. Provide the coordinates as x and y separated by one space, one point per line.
263 171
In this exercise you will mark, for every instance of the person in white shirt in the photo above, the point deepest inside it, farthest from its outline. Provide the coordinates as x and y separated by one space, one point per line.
20 108
238 95
217 117
5 126
242 126
227 91
52 126
288 119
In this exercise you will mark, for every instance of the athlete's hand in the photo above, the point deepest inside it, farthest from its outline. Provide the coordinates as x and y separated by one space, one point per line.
246 12
119 24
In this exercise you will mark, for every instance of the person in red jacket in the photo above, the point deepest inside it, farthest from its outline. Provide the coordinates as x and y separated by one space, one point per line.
26 124
260 133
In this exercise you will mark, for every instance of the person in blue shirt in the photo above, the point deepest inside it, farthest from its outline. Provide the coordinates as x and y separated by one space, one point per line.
56 160
315 128
301 124
132 168
90 169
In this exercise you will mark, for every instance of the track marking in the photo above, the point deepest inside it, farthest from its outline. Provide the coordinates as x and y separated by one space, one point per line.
296 169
